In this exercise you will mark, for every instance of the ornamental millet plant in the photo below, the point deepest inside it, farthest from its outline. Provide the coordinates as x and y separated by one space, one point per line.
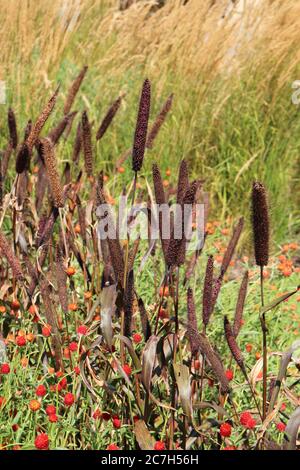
120 343
260 223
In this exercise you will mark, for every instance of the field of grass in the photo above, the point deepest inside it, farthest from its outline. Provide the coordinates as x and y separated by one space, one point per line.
100 344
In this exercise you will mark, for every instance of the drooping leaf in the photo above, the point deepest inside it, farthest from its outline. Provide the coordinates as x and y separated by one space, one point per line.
148 360
183 380
108 306
131 350
278 301
291 430
285 360
143 436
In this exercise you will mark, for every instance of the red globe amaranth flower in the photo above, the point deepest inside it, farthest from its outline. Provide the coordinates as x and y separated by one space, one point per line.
283 407
69 399
4 369
34 405
2 401
62 384
73 307
112 447
50 410
137 338
244 418
46 331
15 427
53 418
229 448
66 353
159 445
127 369
96 414
251 423
82 330
73 346
225 430
41 391
77 370
70 271
280 426
21 341
42 441
116 423
105 415
229 374
32 309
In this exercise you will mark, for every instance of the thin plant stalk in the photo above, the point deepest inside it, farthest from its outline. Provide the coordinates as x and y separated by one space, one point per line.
265 353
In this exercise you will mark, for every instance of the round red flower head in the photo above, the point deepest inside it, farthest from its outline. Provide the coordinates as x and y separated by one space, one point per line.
53 418
116 423
62 384
46 331
21 341
41 391
112 447
280 426
244 417
34 405
82 330
137 338
127 369
96 414
4 369
42 441
73 346
251 423
225 430
69 399
50 410
159 445
229 374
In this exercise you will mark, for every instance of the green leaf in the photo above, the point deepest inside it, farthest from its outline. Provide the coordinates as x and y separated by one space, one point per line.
278 301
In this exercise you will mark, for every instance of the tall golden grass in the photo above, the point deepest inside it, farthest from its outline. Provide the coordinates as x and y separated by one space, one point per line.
197 39
231 68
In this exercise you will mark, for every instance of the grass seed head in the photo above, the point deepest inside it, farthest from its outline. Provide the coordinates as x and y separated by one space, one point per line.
108 118
260 223
52 172
160 119
87 144
140 136
74 90
207 291
12 127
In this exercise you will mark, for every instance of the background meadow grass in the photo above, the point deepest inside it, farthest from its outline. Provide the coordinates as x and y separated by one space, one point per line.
231 73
